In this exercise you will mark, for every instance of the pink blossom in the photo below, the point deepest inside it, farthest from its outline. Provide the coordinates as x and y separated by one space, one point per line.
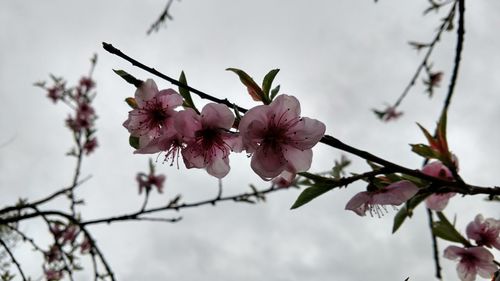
85 246
89 146
438 202
279 139
394 194
148 181
69 234
154 112
208 139
53 275
484 232
56 92
472 261
87 83
53 254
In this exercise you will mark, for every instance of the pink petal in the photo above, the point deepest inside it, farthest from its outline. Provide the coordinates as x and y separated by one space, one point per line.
306 133
438 202
438 170
268 163
219 167
396 193
252 127
466 272
297 160
214 115
187 122
145 92
285 106
453 252
358 203
192 157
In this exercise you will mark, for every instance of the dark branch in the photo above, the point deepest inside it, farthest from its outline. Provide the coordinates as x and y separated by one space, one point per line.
14 260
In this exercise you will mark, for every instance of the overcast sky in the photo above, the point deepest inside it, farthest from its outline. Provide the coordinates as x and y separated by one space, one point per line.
339 58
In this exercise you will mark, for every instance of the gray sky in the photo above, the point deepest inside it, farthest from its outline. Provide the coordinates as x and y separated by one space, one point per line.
339 58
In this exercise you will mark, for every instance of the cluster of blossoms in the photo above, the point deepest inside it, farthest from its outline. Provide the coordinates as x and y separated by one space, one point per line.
477 259
472 259
375 199
61 254
79 98
275 134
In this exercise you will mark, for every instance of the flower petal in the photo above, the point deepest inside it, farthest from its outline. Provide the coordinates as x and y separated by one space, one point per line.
268 163
145 92
187 122
297 160
214 115
396 193
438 202
219 166
306 133
358 203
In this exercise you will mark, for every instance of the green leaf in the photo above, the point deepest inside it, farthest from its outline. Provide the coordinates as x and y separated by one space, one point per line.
129 78
268 82
134 142
310 193
425 151
188 101
274 92
427 135
338 169
407 210
253 89
445 230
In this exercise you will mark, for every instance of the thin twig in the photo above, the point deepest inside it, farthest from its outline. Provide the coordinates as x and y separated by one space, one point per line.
435 249
14 260
165 15
430 48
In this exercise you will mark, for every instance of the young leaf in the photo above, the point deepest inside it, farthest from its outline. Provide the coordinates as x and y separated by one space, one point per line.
188 101
253 89
445 230
310 193
407 210
274 92
268 81
425 151
129 78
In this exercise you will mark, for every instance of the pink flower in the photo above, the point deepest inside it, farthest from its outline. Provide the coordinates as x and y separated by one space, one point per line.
89 146
484 232
56 92
148 181
53 275
85 246
53 254
394 194
69 234
87 83
279 139
438 202
472 261
154 112
209 141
